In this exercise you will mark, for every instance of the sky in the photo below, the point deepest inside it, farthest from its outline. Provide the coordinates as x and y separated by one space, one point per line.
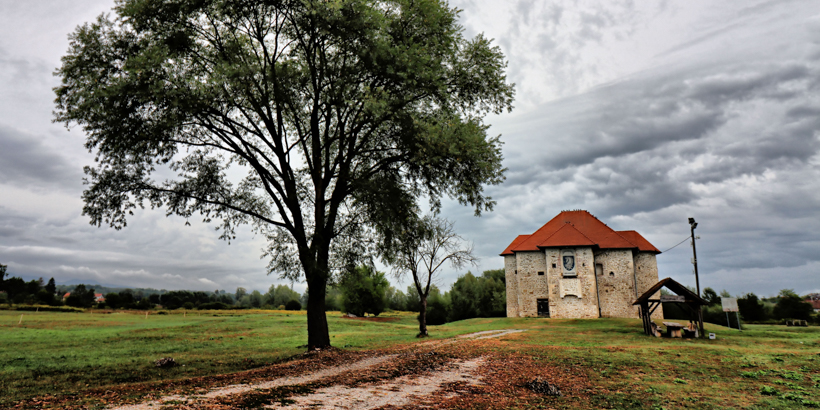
643 113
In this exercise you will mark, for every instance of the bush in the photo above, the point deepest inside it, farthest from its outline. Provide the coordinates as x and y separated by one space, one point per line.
436 311
188 305
792 306
363 291
293 304
213 306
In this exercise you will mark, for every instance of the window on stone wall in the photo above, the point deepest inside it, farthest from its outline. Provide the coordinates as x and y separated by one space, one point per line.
554 266
541 273
611 273
599 269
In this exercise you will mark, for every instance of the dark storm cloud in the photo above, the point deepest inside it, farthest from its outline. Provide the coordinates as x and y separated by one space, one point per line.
676 118
735 145
26 161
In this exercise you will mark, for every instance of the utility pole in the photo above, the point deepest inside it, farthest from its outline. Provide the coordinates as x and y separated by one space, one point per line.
693 225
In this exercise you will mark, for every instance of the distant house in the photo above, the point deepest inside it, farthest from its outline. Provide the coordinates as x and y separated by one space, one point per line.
814 300
575 266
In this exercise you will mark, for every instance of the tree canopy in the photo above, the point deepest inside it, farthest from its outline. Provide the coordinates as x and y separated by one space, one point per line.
313 121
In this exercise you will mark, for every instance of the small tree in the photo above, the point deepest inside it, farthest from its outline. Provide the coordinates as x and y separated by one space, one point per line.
293 304
363 291
426 245
80 297
792 306
240 292
711 297
279 295
751 308
51 287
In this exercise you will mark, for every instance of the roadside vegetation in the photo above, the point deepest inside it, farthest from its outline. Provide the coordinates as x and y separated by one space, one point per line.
72 359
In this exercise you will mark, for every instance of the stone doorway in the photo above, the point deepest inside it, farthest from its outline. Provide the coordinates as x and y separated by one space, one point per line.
543 307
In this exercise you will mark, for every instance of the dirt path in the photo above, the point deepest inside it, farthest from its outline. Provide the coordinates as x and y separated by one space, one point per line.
397 391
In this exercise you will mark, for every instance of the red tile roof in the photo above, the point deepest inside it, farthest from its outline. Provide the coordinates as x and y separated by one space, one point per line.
566 235
639 240
578 228
515 242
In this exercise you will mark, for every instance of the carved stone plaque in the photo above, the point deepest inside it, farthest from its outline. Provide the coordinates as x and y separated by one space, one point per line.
570 287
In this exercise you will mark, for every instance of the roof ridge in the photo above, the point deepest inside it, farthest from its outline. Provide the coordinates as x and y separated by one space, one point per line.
616 233
604 223
573 227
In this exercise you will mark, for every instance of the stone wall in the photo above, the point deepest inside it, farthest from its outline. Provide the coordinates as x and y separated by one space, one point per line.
531 285
584 305
616 283
512 285
578 297
646 270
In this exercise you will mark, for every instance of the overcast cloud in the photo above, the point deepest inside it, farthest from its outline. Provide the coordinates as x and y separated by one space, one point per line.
643 113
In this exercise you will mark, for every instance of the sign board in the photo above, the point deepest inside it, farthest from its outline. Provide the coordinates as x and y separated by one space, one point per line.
672 298
729 304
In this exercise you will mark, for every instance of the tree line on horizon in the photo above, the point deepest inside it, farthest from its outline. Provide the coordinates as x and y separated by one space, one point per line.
365 291
361 291
786 305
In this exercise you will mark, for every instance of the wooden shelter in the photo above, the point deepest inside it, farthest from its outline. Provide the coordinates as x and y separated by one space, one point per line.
683 296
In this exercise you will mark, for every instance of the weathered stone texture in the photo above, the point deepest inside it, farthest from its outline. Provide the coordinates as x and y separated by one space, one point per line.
571 306
646 270
615 286
512 286
616 283
531 285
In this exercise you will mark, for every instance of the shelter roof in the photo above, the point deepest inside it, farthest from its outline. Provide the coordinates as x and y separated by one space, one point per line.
578 228
674 286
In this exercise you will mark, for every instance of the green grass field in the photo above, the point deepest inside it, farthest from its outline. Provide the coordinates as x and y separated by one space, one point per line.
67 353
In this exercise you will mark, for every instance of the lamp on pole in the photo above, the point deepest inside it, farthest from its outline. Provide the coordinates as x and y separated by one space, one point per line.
693 225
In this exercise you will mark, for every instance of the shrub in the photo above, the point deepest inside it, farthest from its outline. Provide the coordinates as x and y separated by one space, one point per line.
363 290
768 391
293 304
792 306
436 310
213 306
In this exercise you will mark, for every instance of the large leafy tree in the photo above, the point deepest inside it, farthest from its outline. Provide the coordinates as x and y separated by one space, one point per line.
314 121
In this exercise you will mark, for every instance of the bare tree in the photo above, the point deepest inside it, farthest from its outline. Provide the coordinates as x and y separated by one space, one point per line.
426 246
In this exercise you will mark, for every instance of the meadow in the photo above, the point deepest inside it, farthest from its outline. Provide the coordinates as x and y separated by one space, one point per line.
65 354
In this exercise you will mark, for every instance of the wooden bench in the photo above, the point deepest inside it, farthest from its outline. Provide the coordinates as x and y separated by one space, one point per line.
673 329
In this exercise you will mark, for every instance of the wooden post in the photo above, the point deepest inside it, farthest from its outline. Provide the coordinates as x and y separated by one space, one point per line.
146 314
21 319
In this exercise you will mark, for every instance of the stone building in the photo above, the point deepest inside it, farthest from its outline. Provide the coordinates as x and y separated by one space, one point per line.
575 266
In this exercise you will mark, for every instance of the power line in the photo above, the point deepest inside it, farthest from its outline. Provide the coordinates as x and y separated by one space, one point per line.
684 240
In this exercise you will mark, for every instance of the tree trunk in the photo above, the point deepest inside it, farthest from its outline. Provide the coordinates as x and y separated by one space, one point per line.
318 335
423 317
